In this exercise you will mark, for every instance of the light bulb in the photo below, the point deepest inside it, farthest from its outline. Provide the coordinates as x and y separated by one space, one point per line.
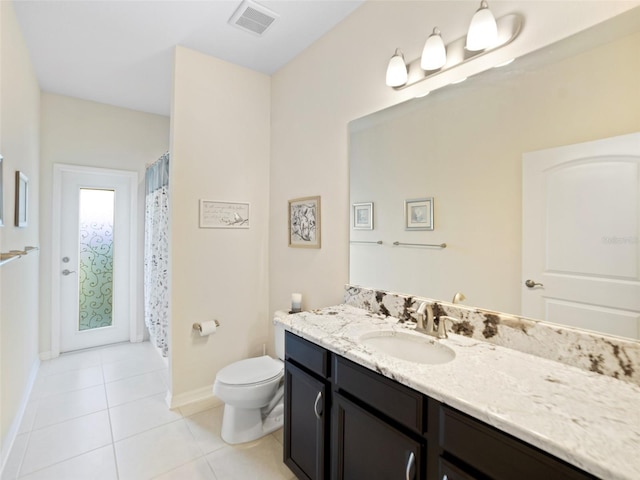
434 54
397 70
483 30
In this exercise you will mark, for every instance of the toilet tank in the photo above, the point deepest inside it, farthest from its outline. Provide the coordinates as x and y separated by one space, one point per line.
278 333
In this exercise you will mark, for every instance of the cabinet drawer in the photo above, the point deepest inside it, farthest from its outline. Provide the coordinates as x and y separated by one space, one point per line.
449 471
393 400
497 454
307 354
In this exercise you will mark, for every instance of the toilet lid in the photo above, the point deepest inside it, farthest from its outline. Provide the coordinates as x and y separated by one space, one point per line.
251 370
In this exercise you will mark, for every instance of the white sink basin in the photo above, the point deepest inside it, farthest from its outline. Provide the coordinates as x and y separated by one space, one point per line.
411 347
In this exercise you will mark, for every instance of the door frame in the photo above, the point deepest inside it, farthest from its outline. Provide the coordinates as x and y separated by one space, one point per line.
135 324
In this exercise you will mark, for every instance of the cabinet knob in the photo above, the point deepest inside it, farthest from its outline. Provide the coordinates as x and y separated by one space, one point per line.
315 406
410 464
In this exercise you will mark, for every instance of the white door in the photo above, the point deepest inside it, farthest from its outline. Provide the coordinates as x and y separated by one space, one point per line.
95 257
581 219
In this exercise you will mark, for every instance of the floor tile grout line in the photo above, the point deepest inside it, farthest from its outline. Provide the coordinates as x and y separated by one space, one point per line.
195 441
67 420
113 441
201 453
183 464
73 391
134 400
62 461
107 408
24 454
146 430
136 375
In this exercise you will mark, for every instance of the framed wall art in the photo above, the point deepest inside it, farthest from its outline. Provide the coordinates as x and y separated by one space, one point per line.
215 214
304 222
363 216
418 214
22 199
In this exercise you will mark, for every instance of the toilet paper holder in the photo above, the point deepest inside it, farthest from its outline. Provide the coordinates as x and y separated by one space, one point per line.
198 327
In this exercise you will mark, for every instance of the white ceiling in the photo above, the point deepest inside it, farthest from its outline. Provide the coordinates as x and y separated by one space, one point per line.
121 52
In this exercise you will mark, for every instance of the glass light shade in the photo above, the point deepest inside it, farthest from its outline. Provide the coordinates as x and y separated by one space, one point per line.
434 54
397 70
483 30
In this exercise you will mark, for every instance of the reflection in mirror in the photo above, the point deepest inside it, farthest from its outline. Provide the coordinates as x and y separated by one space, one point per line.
464 144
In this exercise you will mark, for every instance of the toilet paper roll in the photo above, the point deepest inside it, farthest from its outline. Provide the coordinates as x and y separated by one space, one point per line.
208 328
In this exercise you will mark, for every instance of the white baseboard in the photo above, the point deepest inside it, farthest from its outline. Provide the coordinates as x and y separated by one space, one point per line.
204 394
9 440
48 355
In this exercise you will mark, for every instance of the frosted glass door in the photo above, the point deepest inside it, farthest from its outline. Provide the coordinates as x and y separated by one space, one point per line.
96 258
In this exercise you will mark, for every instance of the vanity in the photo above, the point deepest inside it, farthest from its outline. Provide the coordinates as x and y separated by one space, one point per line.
355 411
517 398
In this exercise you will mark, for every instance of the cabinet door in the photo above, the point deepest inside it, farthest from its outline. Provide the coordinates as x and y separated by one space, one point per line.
366 447
448 471
306 421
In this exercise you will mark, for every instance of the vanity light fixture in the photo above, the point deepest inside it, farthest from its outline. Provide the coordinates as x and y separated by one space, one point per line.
483 30
459 81
434 54
438 57
397 70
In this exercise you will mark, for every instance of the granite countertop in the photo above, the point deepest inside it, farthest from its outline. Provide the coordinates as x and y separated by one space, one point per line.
589 420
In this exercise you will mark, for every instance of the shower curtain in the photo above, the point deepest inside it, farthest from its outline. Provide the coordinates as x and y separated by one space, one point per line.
156 252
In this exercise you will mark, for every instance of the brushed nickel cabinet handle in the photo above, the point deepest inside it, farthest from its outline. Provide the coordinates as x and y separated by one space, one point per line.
315 406
410 463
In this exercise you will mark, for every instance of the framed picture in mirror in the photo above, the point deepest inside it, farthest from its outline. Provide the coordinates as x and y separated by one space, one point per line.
418 214
363 216
22 199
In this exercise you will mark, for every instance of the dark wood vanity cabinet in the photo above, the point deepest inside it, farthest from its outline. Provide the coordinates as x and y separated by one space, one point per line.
377 426
346 422
306 403
472 449
364 446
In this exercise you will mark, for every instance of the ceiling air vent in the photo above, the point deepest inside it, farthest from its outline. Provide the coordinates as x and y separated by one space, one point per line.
253 18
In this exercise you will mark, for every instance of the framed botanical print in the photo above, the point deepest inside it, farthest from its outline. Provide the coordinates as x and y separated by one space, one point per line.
363 216
304 222
418 214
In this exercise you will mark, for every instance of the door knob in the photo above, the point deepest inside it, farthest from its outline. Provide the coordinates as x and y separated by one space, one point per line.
530 284
66 272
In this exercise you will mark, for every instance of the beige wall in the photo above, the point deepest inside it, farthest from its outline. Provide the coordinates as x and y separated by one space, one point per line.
236 135
220 151
19 99
444 146
341 78
80 132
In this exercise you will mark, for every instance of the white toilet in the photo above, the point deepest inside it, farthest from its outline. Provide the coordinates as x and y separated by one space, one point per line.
252 391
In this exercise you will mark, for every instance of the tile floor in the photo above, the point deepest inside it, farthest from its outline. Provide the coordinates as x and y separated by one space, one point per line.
101 414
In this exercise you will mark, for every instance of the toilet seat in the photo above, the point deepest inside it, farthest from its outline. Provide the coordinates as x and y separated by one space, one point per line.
251 371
